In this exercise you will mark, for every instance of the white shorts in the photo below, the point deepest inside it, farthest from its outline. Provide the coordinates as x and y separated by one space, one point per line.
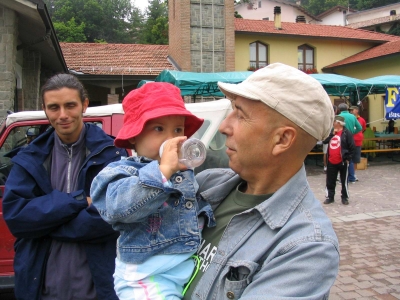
325 148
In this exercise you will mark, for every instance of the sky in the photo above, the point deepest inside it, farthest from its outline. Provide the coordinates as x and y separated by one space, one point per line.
142 4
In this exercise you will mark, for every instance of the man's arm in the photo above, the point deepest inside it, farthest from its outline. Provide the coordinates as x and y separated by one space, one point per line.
30 213
357 125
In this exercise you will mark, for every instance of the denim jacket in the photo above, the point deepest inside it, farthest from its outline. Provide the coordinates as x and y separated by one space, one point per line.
283 248
151 218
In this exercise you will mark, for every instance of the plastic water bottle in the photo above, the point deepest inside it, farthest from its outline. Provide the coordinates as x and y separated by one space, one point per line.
192 152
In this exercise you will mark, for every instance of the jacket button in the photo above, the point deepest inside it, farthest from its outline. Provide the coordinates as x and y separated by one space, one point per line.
117 152
230 295
189 204
178 179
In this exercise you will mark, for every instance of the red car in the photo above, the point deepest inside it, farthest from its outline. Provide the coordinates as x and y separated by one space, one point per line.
18 129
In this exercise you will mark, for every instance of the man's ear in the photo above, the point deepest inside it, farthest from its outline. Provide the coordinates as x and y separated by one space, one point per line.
85 105
283 139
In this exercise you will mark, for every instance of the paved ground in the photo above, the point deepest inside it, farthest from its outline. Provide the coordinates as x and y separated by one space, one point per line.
368 230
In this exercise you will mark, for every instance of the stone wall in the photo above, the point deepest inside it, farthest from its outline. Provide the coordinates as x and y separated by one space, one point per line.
31 81
8 51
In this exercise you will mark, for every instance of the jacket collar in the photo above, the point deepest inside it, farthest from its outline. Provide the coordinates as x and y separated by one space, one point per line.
277 209
95 140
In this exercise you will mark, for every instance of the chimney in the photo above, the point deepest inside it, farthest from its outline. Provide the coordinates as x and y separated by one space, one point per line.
392 16
277 17
300 19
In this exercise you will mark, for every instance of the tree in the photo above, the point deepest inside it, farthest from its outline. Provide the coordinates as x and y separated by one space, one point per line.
136 25
237 15
103 19
155 29
70 31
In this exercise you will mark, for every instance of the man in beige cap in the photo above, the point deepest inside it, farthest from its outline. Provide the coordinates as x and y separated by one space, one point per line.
272 239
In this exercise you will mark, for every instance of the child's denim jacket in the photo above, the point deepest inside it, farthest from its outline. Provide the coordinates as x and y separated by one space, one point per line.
151 218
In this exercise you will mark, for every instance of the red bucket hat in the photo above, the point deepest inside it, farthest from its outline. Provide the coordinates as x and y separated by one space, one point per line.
151 101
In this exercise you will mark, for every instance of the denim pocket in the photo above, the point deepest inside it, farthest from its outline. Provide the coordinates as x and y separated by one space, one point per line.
237 278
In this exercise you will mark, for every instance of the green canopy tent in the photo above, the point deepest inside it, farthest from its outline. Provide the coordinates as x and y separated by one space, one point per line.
199 84
340 85
381 83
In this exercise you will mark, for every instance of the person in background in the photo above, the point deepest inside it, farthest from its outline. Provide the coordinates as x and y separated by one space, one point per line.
325 143
272 238
31 134
390 127
358 141
151 200
63 250
340 152
354 127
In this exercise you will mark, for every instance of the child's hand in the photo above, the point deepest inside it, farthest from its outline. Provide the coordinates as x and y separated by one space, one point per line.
169 163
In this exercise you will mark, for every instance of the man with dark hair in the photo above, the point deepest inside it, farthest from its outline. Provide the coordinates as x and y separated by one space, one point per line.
354 127
358 140
64 250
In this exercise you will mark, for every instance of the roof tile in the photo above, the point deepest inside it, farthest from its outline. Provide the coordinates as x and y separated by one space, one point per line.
312 30
375 52
116 59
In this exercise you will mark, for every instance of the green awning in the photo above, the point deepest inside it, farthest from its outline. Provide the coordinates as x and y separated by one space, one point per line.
199 84
381 83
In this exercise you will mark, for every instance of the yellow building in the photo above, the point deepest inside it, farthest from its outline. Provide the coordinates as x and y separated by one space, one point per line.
320 49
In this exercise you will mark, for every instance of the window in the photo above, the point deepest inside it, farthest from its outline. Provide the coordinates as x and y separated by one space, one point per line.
258 55
259 4
305 56
17 138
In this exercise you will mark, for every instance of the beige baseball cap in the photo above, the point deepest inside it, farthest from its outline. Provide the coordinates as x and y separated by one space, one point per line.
291 92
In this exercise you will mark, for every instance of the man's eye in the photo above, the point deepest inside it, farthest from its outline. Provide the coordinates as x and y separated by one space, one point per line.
238 115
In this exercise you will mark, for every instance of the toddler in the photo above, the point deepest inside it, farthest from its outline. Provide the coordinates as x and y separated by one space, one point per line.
151 200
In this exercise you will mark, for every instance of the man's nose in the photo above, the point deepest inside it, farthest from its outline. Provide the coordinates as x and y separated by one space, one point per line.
225 126
63 113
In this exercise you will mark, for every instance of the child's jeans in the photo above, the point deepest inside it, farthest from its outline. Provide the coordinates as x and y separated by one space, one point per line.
161 277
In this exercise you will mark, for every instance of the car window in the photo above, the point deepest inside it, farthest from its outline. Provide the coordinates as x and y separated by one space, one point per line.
18 138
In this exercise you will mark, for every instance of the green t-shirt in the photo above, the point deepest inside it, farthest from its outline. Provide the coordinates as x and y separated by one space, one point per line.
235 203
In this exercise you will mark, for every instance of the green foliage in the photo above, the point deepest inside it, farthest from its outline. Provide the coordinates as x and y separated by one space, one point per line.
70 31
237 15
109 21
135 25
395 30
155 30
103 19
317 7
